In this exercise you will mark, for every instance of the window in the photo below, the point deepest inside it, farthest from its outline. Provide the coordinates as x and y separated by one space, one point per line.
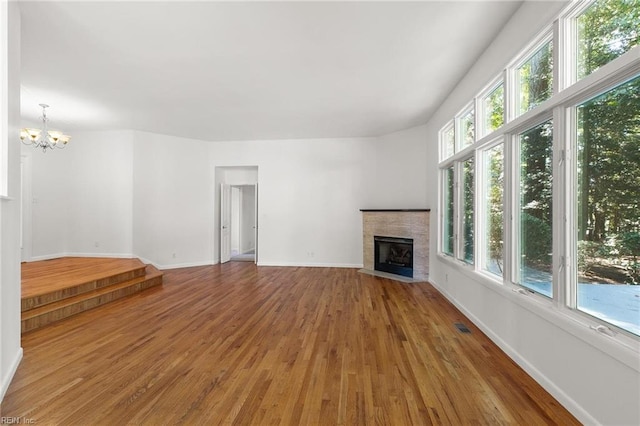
448 141
447 208
606 30
535 78
468 208
493 110
535 232
458 180
467 128
557 190
494 210
608 206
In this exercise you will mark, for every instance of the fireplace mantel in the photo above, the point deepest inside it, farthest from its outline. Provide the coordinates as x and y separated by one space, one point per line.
399 223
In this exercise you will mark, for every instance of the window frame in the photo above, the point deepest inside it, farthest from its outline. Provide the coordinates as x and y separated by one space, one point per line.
569 202
450 126
515 222
481 113
470 108
459 242
512 79
566 95
481 255
442 173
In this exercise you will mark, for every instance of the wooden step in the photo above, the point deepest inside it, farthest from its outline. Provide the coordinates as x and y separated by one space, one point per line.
49 281
38 317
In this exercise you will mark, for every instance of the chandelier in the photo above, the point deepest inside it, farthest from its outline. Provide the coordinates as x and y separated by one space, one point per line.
44 138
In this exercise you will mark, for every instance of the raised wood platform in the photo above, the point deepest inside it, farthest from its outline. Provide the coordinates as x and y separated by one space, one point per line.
58 288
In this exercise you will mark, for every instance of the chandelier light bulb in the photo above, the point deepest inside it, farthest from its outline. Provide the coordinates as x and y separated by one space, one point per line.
44 138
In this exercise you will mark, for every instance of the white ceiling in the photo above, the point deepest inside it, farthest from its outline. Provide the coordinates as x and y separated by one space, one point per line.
249 70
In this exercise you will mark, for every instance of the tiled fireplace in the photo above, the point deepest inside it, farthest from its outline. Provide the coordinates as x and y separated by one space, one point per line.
396 242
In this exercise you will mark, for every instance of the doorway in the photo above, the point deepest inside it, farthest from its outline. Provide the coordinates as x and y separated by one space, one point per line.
238 213
243 223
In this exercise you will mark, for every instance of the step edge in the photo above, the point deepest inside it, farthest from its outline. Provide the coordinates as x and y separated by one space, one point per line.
92 294
142 287
93 284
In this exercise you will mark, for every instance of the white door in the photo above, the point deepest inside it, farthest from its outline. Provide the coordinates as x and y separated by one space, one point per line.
225 223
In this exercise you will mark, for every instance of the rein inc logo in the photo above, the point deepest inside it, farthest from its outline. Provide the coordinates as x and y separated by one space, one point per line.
16 421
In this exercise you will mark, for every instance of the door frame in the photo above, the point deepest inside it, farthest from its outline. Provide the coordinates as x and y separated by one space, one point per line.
233 176
225 223
26 201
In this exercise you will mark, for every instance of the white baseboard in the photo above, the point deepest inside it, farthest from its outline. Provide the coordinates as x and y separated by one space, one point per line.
109 255
192 264
46 257
570 404
58 255
178 265
311 265
6 380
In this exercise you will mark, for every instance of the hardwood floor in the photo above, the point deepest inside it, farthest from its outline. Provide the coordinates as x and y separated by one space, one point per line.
237 344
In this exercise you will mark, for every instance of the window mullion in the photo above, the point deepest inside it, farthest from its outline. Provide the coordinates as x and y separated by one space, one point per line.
570 209
510 93
457 209
512 178
479 200
564 37
559 203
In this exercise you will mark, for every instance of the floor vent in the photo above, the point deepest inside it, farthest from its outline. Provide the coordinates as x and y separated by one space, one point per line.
462 328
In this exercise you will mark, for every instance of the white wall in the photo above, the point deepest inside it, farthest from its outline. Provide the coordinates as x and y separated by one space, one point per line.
100 193
10 350
309 196
81 197
594 377
49 183
173 193
157 197
399 175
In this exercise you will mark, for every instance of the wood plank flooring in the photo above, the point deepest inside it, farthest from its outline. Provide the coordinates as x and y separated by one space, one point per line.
238 344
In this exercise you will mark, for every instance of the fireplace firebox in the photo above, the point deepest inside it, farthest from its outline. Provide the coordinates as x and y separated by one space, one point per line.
393 255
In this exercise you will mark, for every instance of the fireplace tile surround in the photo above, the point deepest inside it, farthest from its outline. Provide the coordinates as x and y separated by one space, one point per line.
398 223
